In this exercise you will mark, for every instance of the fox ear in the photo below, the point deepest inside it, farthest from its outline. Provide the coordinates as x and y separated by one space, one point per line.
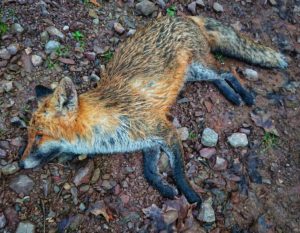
65 95
42 92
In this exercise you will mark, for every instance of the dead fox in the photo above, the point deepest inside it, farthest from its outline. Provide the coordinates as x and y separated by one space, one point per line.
128 110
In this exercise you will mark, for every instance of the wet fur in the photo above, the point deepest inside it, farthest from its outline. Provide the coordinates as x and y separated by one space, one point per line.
128 110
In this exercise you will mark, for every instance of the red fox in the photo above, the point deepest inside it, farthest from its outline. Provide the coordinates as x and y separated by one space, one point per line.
128 110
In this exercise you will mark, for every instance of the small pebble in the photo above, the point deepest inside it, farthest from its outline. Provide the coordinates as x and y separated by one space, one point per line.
207 152
183 133
51 46
119 28
17 28
22 184
250 74
207 213
4 54
10 168
36 60
2 220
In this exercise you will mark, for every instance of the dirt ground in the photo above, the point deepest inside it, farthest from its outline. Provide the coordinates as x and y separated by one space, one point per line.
257 190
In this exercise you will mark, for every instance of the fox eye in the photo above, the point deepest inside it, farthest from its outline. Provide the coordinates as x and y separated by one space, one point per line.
38 137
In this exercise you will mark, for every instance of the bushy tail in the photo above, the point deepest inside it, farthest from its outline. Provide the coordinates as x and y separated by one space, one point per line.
225 40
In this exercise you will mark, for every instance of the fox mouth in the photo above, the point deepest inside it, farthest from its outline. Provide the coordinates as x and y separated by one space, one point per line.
38 160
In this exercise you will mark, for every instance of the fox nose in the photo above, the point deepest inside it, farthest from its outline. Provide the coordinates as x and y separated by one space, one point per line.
21 164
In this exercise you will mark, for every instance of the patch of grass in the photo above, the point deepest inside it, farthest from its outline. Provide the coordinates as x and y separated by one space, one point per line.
219 57
3 28
78 36
269 140
171 11
62 51
107 56
193 135
50 64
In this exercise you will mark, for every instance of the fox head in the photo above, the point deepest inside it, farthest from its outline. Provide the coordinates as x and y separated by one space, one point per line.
51 124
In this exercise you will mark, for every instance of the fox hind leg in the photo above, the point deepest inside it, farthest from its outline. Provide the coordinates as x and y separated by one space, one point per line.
150 162
227 84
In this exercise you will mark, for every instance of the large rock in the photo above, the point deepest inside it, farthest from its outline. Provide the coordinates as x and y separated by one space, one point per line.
238 140
209 137
22 184
145 7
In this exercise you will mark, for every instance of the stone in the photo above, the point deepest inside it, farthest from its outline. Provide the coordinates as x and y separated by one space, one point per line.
51 46
220 165
17 28
238 140
207 213
131 32
2 153
66 28
218 7
207 152
13 48
83 175
44 37
95 176
192 7
200 3
119 28
145 7
36 60
91 56
67 61
17 122
10 168
53 31
183 133
273 2
93 13
26 61
22 184
7 86
25 227
209 137
4 54
2 220
176 123
250 74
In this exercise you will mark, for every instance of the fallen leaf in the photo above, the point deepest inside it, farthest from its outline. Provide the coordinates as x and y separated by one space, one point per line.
262 119
99 208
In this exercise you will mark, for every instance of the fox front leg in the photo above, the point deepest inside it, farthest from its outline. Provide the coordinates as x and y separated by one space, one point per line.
175 153
150 163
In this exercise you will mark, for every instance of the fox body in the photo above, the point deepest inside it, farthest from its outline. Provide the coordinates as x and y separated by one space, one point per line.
128 110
